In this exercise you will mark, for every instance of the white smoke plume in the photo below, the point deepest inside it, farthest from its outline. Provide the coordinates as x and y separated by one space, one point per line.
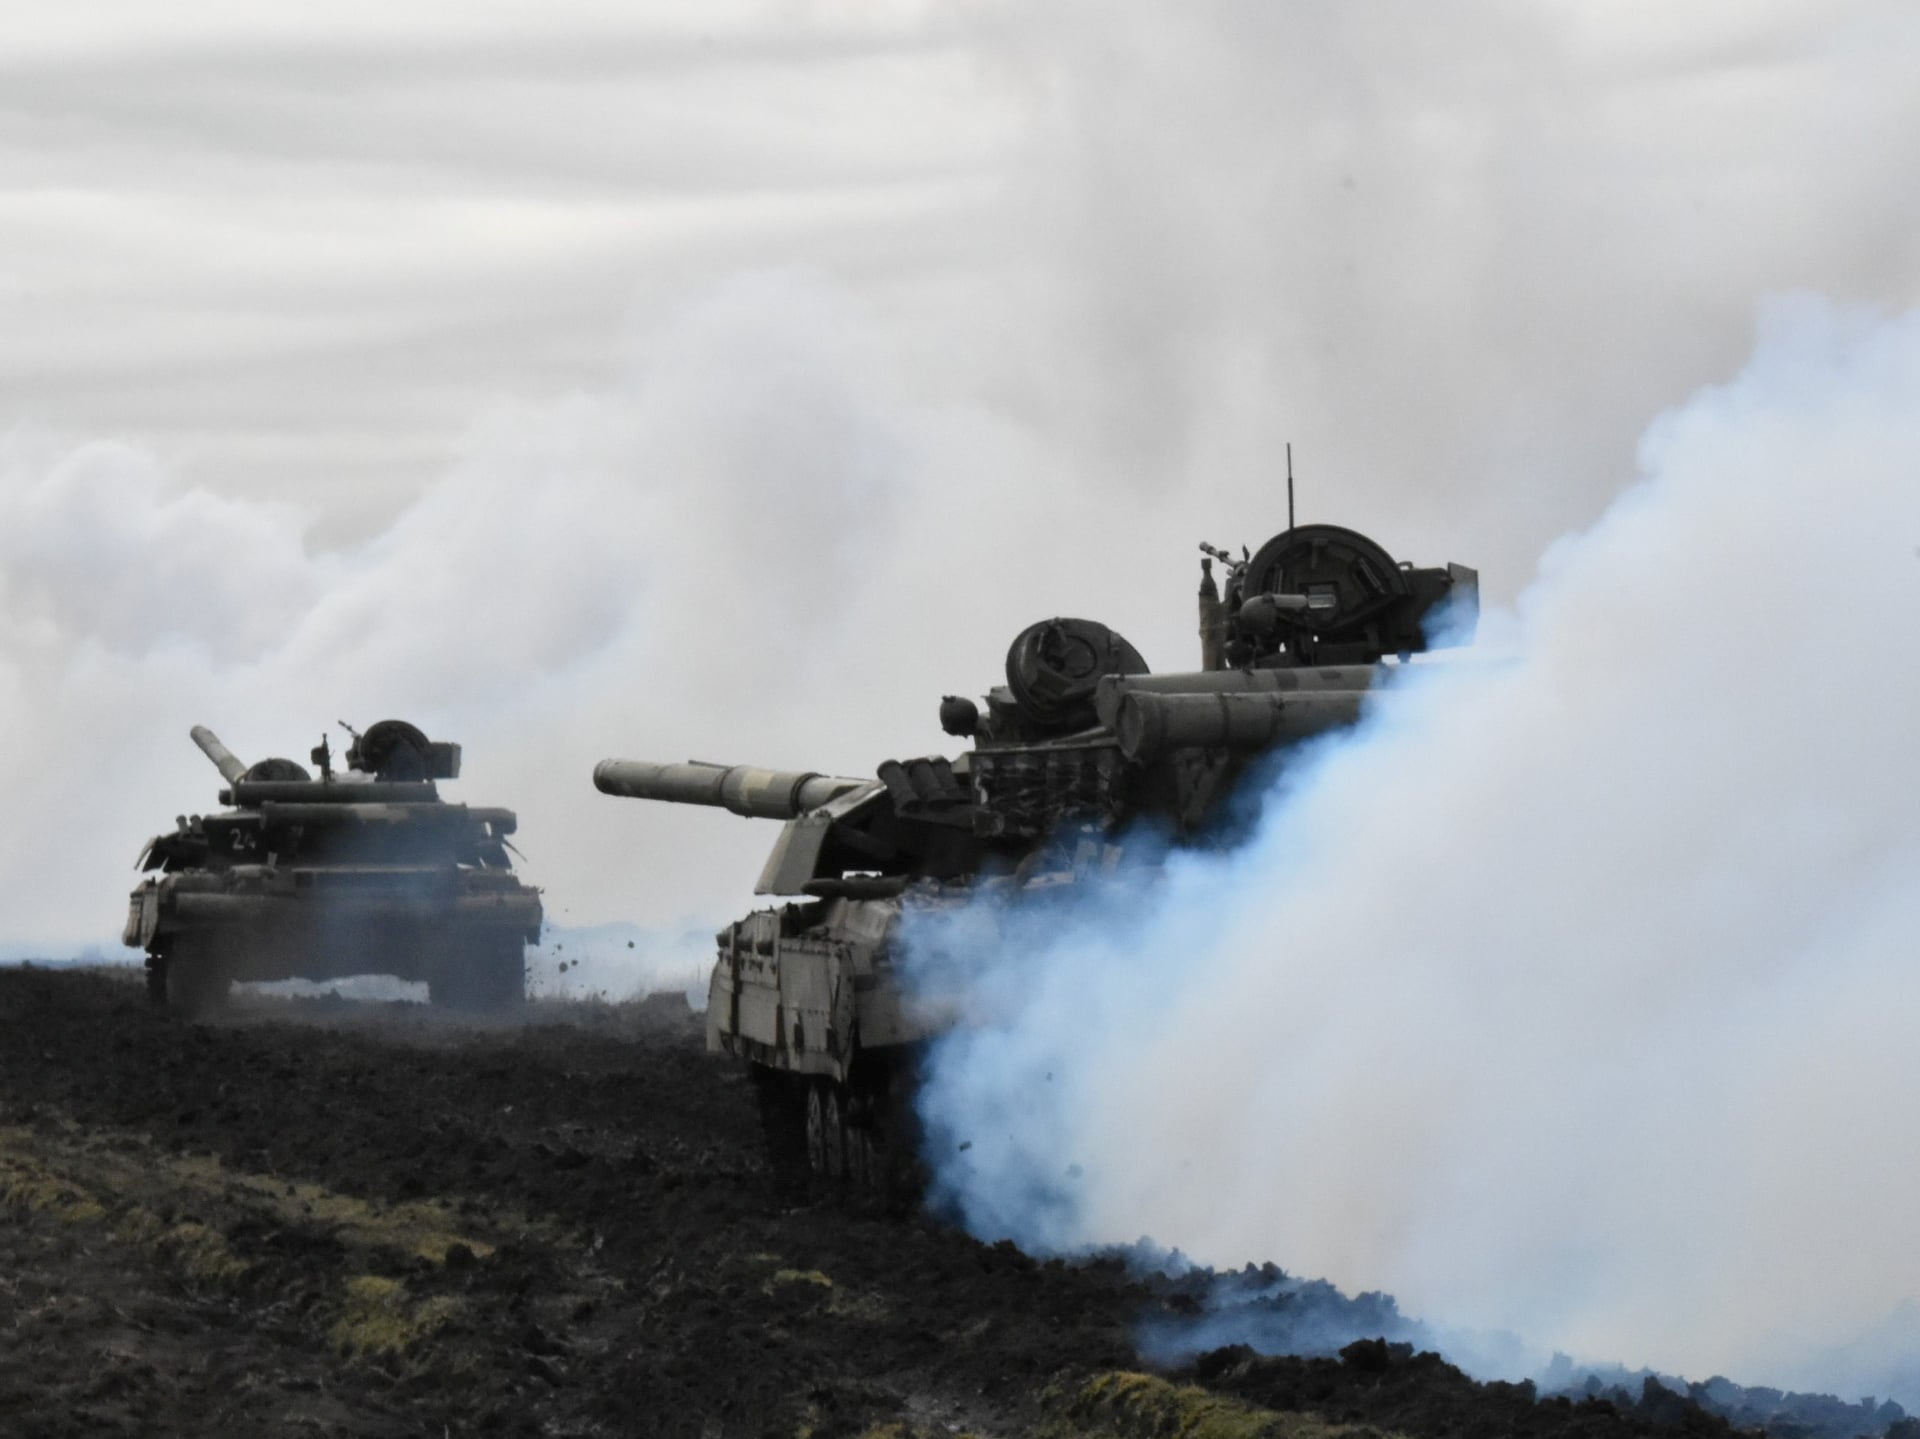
1572 995
628 568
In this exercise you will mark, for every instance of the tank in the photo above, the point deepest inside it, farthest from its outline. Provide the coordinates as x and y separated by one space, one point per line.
1082 763
361 871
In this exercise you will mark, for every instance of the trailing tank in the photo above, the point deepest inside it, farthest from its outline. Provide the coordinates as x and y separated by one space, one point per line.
1081 764
365 870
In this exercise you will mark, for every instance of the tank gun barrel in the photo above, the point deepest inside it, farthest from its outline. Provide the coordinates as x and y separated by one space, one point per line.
755 793
230 765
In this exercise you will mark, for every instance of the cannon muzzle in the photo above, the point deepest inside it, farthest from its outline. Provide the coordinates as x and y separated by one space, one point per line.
224 759
756 793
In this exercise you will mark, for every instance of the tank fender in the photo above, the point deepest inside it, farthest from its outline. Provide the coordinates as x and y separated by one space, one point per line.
143 916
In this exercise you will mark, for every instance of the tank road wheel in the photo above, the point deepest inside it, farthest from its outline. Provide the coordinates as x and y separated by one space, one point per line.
832 1134
501 972
891 1136
834 1131
866 1131
858 1141
480 973
195 975
884 1184
816 1129
782 1105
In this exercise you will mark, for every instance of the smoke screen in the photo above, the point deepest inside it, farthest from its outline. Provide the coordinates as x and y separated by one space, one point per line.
1571 994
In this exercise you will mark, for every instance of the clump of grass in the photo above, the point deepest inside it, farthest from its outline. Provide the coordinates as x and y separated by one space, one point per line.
783 1277
197 1250
380 1317
26 1185
1127 1405
28 1182
419 1229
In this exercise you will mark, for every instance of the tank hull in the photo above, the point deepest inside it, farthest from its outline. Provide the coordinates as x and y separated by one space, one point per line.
810 989
462 932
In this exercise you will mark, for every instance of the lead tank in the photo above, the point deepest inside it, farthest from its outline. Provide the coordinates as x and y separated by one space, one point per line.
1082 763
362 871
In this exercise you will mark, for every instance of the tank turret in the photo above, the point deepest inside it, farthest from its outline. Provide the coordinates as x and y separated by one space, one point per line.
1324 595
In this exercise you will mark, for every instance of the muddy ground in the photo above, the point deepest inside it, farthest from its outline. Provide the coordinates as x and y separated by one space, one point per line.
318 1216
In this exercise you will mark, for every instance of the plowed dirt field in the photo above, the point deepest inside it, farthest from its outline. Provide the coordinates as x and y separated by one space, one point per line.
319 1216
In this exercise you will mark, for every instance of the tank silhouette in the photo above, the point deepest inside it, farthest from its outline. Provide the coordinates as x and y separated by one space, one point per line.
1081 764
367 871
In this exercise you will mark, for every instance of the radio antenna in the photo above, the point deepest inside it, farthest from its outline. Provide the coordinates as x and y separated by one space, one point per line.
1289 484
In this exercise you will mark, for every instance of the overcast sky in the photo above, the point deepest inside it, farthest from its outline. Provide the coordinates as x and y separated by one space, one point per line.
737 380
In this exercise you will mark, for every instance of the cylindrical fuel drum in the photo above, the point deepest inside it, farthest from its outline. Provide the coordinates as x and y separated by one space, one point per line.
1115 688
271 791
1149 724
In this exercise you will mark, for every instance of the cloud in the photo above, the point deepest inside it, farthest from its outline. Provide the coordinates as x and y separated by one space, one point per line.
99 542
1457 262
